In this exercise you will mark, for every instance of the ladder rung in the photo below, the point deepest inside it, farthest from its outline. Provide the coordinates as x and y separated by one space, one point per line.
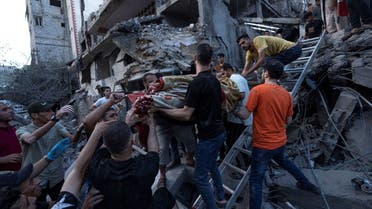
298 61
245 151
303 58
228 189
289 81
293 70
306 49
316 39
235 168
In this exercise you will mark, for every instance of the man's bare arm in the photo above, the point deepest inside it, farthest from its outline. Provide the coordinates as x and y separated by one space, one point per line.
259 61
243 113
183 114
75 178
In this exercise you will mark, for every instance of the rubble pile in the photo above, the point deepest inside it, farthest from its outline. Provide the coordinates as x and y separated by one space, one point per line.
158 48
331 127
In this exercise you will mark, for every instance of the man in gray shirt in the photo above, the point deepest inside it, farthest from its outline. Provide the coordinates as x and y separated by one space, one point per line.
38 137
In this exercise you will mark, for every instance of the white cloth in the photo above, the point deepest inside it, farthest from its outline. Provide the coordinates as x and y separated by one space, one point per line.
102 101
242 85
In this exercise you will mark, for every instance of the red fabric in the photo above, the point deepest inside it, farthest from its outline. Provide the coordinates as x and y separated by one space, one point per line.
9 144
342 8
143 133
132 97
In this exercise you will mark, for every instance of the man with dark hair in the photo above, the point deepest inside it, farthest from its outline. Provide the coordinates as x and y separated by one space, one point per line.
203 100
313 27
124 181
271 106
38 137
10 149
261 46
106 91
220 62
20 189
235 125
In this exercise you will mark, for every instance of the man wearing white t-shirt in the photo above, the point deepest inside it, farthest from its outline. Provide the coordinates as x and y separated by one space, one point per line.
235 126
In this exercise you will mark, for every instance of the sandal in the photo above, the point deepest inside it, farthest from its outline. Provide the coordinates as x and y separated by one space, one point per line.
162 182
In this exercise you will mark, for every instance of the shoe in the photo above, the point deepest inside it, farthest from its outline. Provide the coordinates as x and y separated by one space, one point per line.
174 164
221 203
308 187
162 182
367 26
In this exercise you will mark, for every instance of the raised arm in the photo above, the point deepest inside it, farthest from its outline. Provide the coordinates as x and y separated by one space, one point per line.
74 180
94 116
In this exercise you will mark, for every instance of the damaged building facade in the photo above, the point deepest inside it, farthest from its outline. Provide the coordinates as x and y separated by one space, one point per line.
105 61
49 31
122 41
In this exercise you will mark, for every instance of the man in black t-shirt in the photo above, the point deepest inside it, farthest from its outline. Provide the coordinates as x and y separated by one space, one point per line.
203 100
314 27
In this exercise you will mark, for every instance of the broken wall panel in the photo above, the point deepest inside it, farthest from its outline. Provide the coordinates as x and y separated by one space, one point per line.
340 114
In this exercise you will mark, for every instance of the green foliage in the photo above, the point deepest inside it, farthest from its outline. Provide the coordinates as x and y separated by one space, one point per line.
39 83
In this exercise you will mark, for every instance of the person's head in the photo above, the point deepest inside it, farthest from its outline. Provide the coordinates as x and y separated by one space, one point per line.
204 53
116 137
149 78
110 115
227 70
309 7
273 69
15 184
244 42
6 113
220 58
106 91
40 112
308 16
317 3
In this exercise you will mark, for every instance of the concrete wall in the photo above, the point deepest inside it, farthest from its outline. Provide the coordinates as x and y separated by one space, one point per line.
221 27
50 41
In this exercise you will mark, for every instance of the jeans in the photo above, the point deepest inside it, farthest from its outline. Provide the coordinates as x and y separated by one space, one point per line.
359 9
289 55
260 161
206 155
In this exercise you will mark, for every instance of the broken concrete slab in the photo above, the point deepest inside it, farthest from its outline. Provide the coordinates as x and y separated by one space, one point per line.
362 74
336 185
341 112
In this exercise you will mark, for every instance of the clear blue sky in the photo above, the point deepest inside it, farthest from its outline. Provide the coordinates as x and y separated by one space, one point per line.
14 36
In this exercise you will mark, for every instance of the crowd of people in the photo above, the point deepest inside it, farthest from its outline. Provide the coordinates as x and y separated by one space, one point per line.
30 157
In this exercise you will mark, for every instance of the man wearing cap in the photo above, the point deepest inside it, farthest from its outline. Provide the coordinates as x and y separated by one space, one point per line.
38 137
10 149
20 189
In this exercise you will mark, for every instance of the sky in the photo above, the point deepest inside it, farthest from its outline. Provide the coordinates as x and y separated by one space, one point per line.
14 35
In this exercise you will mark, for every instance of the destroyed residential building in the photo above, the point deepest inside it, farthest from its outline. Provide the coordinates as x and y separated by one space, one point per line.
330 132
49 31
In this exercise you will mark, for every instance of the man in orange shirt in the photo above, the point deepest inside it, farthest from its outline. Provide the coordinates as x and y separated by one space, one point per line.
271 106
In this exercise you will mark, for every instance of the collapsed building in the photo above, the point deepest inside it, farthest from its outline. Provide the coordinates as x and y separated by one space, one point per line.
330 133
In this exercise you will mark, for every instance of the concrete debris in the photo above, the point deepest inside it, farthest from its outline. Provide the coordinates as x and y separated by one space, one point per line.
341 74
344 107
158 48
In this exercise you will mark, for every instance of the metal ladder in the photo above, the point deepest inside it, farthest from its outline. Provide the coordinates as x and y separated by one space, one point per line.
297 70
232 187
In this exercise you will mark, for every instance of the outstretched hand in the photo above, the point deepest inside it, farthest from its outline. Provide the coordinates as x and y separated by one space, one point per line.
117 97
67 109
94 197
